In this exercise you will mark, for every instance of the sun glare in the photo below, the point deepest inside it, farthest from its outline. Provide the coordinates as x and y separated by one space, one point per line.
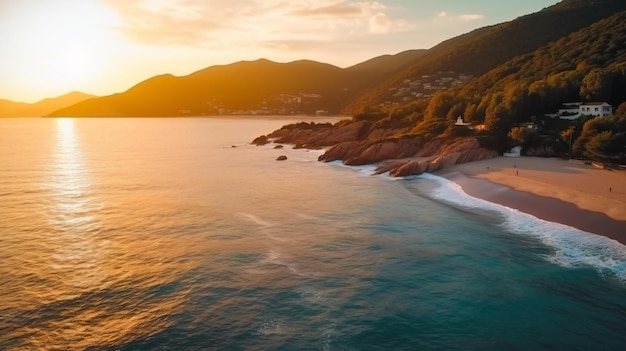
77 63
55 50
66 130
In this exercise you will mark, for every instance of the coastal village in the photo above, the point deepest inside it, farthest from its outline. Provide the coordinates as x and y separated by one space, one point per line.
426 86
281 104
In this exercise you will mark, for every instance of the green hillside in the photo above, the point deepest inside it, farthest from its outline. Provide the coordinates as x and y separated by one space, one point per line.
481 50
586 65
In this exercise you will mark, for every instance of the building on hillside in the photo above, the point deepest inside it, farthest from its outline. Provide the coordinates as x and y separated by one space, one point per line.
573 110
570 110
596 109
459 122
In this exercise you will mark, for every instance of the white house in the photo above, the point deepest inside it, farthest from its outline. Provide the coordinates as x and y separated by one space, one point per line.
596 109
573 110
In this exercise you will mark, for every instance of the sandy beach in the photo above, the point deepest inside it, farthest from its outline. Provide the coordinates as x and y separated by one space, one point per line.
567 192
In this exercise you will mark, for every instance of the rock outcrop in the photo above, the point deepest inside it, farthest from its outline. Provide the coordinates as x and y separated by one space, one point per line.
461 151
368 152
311 135
357 143
261 140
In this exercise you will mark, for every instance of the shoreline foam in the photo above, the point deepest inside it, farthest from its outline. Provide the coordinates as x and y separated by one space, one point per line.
579 237
572 246
558 191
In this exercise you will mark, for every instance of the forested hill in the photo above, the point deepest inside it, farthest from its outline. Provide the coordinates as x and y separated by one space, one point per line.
479 51
247 87
586 65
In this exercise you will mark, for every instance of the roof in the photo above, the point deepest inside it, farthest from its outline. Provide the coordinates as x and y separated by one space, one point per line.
595 103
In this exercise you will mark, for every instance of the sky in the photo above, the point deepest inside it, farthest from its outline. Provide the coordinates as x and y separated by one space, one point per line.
51 47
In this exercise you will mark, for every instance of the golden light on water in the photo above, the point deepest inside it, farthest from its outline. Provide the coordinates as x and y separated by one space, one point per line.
74 215
84 267
66 129
70 179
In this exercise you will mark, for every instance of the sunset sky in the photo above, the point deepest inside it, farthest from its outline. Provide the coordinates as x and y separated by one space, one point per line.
49 48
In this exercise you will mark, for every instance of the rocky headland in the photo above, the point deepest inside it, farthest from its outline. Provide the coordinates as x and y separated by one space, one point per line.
392 149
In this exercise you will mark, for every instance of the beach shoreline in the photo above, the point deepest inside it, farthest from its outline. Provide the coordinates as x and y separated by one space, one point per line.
566 192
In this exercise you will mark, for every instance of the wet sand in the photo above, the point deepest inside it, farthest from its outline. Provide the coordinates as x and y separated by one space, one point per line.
567 192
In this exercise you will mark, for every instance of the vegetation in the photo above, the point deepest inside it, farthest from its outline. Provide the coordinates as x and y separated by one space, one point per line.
604 139
588 65
481 50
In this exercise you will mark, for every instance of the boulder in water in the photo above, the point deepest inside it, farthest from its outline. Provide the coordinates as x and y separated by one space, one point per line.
262 140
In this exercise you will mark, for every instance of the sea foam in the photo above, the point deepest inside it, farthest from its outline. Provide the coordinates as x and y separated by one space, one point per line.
572 247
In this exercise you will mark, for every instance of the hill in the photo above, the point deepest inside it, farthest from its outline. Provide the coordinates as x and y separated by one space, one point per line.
247 87
475 53
41 108
587 64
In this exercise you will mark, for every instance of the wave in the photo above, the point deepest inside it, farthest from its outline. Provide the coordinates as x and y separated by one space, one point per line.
256 220
365 170
572 247
271 326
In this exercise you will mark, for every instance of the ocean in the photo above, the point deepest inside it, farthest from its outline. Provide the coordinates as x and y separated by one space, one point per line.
177 234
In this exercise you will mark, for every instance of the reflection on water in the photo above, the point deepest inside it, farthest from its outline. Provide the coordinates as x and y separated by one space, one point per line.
82 274
73 217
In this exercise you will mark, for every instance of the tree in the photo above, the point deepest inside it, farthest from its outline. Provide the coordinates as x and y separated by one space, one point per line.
568 135
621 110
596 86
596 147
603 139
523 136
439 105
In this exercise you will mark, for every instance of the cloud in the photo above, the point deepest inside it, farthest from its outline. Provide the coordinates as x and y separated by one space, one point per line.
380 23
168 25
341 9
472 17
445 17
204 23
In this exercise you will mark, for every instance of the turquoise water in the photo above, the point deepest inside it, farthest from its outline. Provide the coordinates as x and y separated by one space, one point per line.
158 234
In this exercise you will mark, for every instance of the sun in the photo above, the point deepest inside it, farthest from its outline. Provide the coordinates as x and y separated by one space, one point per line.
76 64
52 49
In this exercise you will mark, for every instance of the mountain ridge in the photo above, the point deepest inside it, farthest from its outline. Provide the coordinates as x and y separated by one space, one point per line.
308 87
485 48
9 108
246 85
